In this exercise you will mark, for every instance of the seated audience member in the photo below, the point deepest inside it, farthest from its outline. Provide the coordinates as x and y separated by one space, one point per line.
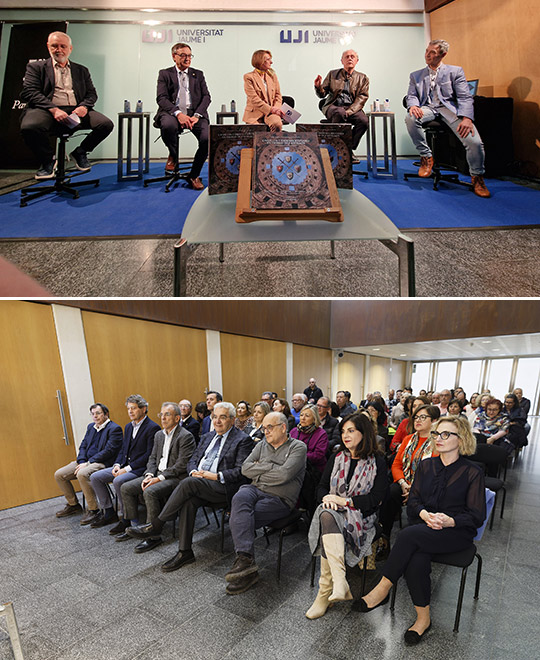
98 449
351 489
343 399
401 410
441 91
309 431
491 425
54 89
269 398
455 407
201 411
376 409
447 504
298 401
328 423
276 468
214 476
244 418
414 449
183 99
212 397
470 408
282 406
166 467
187 421
445 398
422 393
312 392
391 401
345 92
517 434
263 95
459 394
436 398
406 426
129 464
260 410
524 403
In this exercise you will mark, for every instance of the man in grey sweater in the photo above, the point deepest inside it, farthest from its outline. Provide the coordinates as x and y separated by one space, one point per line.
276 468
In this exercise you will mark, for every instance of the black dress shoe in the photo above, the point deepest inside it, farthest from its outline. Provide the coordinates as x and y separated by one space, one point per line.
145 546
181 558
103 521
142 531
120 528
360 604
122 537
412 638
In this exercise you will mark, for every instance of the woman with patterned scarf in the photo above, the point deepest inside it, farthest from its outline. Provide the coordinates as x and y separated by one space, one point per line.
351 489
412 450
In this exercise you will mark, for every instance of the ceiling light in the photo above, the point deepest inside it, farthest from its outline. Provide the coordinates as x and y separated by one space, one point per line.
151 23
403 355
488 341
150 11
376 349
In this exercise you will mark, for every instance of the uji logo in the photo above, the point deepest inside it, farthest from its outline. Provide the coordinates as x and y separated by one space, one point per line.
287 37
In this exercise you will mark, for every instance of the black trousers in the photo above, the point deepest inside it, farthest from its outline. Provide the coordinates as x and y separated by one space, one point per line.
412 552
186 498
38 124
337 115
170 128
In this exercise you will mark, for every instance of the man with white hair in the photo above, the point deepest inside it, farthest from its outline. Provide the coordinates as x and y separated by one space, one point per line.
345 92
54 89
298 401
214 476
187 421
441 91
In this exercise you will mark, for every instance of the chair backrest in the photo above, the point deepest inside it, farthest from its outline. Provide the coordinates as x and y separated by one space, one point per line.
489 454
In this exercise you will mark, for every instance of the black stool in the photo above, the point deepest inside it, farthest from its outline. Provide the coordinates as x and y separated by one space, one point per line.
181 171
62 180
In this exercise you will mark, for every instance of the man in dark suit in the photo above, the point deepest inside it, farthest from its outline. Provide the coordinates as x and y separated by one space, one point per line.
183 99
313 392
330 424
98 450
214 477
166 467
212 397
130 462
187 421
54 89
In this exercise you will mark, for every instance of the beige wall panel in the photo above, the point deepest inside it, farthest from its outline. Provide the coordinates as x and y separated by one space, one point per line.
351 376
397 376
128 356
250 366
496 41
32 445
379 375
309 362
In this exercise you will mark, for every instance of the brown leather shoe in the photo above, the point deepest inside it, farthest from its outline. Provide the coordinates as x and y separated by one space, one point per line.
479 187
426 165
170 166
196 183
69 510
90 516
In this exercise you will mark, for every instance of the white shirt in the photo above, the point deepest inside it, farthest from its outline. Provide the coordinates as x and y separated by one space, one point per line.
162 465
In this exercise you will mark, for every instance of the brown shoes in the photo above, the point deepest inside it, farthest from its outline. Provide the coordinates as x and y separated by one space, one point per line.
196 183
479 187
90 516
69 510
170 166
426 165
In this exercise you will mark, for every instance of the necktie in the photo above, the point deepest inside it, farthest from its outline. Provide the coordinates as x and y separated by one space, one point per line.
182 95
212 453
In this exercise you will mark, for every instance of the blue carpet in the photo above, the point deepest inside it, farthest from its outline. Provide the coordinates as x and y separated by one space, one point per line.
129 209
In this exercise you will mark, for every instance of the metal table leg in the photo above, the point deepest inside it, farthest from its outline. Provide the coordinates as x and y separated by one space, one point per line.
332 249
404 249
221 253
13 630
181 253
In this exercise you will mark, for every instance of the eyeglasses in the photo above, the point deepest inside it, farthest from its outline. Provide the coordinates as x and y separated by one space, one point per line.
268 428
422 418
184 56
167 414
445 434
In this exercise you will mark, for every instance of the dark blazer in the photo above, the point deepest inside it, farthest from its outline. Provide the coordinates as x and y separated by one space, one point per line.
193 426
39 82
136 452
182 447
205 426
100 446
236 449
167 91
331 426
315 394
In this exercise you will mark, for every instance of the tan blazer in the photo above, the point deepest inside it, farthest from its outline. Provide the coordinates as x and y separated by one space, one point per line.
260 101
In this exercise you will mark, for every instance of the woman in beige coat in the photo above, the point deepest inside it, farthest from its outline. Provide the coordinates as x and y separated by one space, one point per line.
263 104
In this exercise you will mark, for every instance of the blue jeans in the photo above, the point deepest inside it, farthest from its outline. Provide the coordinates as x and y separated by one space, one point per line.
473 144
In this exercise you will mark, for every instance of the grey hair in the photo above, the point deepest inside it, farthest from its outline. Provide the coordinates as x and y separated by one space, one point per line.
281 417
443 46
138 399
174 406
301 395
349 50
56 33
228 407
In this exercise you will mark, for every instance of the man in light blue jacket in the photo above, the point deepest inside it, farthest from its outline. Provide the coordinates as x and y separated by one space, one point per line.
441 91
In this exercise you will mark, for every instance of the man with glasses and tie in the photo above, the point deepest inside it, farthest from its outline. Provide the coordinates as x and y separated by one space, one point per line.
276 467
183 99
166 467
214 476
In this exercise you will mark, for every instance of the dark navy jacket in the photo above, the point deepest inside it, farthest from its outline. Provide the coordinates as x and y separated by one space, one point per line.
192 425
136 452
100 446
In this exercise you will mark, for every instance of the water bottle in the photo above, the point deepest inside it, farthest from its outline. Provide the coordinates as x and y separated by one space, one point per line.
139 106
127 106
386 105
233 106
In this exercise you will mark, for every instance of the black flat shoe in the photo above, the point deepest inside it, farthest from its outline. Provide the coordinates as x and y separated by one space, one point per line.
145 546
412 638
180 559
360 604
122 537
142 531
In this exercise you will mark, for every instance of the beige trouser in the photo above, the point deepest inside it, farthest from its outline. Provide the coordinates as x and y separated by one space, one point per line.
66 474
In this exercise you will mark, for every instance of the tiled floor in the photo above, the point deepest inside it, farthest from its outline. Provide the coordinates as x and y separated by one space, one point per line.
457 263
78 594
